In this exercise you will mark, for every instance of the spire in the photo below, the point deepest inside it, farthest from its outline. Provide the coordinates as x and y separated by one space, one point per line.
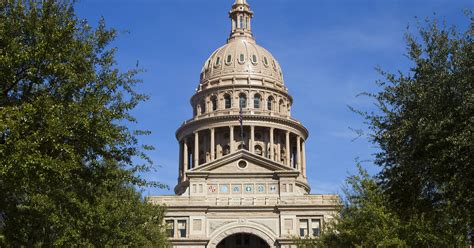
241 17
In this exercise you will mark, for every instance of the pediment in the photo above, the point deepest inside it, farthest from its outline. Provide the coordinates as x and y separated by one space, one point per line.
230 164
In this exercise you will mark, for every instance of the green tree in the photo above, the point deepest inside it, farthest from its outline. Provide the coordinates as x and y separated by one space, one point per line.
68 170
367 220
424 127
363 221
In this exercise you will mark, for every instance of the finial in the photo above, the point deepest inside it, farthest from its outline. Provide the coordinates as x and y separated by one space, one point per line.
241 17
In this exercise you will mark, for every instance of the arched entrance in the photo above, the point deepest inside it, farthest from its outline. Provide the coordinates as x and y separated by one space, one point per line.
252 229
243 240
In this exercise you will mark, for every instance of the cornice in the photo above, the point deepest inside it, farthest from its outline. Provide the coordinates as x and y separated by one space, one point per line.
202 124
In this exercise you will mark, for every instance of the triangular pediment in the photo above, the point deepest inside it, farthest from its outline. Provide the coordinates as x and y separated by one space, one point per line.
230 164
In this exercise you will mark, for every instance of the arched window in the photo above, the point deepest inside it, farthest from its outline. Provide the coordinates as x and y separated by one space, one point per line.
214 103
270 103
218 61
256 101
229 59
203 107
241 21
254 59
242 101
227 101
242 147
281 106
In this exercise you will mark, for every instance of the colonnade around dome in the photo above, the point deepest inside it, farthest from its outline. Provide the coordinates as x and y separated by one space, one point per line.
278 145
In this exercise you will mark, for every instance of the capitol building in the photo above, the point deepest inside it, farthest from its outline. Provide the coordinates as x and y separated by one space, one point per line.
242 171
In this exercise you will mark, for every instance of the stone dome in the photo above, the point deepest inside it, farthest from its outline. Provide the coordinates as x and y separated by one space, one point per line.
241 56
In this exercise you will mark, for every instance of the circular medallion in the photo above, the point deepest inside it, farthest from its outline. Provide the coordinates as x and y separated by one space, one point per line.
242 164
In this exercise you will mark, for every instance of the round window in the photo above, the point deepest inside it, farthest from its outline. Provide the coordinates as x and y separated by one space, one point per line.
242 164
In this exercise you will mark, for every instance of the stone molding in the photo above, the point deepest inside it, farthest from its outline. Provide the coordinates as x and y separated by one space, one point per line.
226 120
242 226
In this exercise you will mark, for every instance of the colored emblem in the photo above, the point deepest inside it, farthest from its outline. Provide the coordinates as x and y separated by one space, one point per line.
248 188
224 189
273 188
212 189
236 189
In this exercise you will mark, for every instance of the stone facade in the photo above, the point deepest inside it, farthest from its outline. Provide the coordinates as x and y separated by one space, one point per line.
242 172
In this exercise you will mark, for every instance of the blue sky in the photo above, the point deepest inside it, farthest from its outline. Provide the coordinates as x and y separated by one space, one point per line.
328 50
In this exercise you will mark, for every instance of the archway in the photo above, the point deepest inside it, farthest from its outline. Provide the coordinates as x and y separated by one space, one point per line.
243 228
243 240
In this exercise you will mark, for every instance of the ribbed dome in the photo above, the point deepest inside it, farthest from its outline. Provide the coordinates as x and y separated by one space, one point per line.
241 56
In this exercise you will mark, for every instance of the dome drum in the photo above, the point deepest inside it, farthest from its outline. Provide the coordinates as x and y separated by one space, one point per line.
227 100
203 142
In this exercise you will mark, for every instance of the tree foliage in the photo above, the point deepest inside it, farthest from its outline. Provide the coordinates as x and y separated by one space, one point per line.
363 221
68 160
424 128
423 125
368 220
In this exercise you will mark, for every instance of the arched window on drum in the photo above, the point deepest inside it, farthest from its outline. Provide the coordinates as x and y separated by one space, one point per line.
203 107
257 99
227 101
270 101
242 101
281 107
214 103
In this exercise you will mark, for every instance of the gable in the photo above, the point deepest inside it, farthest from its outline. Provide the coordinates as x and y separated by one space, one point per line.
242 162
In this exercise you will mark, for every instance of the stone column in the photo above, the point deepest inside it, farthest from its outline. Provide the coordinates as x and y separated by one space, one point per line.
231 139
196 149
181 159
278 153
213 145
303 157
185 158
252 139
298 153
288 152
272 154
